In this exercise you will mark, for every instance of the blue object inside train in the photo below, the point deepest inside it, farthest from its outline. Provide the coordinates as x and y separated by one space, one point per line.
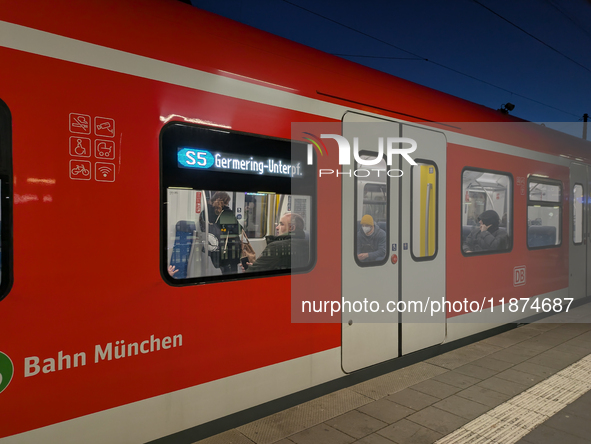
541 236
183 242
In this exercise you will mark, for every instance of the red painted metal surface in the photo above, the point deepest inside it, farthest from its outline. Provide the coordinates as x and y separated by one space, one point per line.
491 276
86 253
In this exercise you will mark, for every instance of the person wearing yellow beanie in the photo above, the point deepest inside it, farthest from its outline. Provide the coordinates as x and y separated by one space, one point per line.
367 220
371 241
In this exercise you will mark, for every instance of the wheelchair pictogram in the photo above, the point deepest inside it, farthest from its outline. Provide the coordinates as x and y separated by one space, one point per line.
80 146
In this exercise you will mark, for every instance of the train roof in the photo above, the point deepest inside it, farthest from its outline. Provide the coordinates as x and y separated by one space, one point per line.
172 31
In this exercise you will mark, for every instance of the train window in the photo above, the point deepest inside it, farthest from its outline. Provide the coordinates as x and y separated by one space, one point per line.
6 200
257 221
578 214
544 192
544 212
372 211
424 210
487 211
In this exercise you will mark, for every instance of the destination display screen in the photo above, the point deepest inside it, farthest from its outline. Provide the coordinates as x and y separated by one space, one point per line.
197 158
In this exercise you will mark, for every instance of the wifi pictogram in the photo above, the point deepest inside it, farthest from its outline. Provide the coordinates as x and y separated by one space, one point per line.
105 171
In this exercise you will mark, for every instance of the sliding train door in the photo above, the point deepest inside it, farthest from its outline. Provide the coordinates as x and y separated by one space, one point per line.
369 276
422 256
578 239
395 288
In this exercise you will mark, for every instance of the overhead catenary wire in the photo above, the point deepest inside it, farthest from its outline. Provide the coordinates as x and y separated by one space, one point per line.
568 17
378 57
419 57
532 36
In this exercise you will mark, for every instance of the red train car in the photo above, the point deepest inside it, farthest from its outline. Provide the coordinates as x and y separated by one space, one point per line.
144 144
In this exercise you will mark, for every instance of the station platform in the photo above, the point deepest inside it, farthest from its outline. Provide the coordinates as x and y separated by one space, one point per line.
527 385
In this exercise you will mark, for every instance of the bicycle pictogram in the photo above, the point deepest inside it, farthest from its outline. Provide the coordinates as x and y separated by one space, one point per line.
80 170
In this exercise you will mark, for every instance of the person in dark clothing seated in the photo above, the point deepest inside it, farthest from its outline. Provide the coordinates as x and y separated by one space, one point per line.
288 249
487 236
371 241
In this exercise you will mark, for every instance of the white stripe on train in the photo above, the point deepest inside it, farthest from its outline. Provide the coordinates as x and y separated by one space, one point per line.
43 43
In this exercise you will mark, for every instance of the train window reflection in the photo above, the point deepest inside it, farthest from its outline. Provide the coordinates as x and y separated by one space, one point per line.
424 210
234 205
371 214
544 192
208 233
544 213
487 216
578 214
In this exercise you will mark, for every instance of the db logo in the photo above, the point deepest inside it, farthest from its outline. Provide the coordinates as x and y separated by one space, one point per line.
519 276
6 371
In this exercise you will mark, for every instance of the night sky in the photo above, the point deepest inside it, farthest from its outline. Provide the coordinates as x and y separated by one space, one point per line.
541 61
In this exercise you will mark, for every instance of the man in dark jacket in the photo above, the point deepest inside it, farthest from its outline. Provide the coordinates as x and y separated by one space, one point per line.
371 241
288 249
487 236
225 227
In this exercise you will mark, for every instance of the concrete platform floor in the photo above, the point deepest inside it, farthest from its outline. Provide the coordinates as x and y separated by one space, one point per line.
469 395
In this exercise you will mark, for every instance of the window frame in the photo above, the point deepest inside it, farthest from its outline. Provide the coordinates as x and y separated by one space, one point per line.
547 181
264 143
265 229
359 263
6 196
583 215
509 223
432 257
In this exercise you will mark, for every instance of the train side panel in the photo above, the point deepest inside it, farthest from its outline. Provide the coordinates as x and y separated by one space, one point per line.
488 278
87 280
92 325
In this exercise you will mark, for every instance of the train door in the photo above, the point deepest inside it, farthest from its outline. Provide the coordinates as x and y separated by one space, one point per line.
369 196
579 242
422 256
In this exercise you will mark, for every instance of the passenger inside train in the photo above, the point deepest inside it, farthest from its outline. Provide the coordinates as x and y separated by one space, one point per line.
487 195
488 236
288 248
240 235
371 240
210 235
224 226
371 215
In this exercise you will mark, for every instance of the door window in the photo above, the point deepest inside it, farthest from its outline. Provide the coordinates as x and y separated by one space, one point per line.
372 213
544 213
578 214
424 210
